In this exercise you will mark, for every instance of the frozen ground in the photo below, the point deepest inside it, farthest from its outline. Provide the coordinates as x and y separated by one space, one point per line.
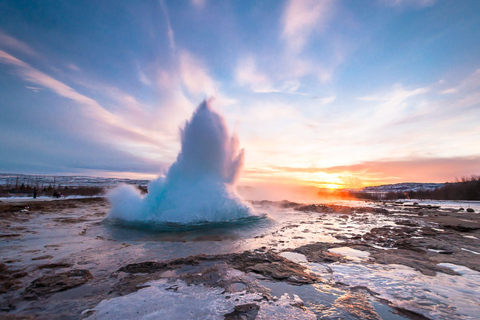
348 261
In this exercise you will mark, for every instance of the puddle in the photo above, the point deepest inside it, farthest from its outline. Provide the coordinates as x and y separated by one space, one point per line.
295 257
350 253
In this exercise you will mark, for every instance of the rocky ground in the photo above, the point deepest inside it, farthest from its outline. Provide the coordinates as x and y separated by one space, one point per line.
58 262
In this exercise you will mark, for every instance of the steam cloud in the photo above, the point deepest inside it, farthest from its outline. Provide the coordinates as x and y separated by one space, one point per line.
198 187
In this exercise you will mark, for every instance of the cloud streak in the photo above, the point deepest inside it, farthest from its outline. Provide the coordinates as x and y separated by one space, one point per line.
14 44
90 107
170 33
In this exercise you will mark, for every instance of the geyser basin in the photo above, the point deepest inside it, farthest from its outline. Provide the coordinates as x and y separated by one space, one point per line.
198 187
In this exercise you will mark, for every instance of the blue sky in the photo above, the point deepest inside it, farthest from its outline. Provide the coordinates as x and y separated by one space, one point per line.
326 93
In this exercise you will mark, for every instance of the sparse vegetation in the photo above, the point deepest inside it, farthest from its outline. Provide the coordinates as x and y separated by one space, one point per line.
27 191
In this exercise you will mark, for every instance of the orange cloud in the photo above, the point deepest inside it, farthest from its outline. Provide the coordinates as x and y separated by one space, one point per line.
371 172
414 170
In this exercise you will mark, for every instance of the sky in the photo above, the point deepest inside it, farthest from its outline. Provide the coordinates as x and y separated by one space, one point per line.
319 92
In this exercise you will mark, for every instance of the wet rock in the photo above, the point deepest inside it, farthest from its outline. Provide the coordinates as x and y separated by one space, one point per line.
288 204
357 305
388 236
144 267
409 244
58 265
247 311
314 208
9 279
214 237
407 223
49 284
10 235
70 220
462 227
414 260
381 210
43 257
270 265
410 314
470 210
429 232
318 252
424 244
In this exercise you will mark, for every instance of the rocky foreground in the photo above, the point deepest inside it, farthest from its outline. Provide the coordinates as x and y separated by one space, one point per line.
58 261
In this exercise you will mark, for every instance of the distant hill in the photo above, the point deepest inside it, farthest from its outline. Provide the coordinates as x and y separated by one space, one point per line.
466 188
9 180
404 187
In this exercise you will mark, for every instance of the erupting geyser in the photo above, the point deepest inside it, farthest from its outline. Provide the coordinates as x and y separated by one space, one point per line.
198 187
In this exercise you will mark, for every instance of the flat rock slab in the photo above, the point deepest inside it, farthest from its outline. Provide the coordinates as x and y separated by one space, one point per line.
49 284
243 312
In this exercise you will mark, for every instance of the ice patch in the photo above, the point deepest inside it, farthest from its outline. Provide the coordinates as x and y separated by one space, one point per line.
443 297
471 251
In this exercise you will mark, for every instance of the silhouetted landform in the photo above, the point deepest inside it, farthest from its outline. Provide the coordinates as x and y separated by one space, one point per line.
404 187
467 188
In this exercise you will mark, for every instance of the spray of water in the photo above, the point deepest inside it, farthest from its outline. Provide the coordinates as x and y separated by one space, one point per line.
198 187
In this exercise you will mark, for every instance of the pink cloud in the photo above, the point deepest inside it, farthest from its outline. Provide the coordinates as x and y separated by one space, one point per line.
194 76
9 59
302 17
246 73
14 44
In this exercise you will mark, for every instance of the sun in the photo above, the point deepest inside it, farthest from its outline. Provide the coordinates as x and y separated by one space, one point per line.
331 186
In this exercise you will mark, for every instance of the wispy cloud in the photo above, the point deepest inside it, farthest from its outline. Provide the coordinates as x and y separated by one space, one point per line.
34 89
409 3
302 17
7 41
327 100
194 75
246 73
73 67
170 33
449 91
199 3
9 59
397 95
90 107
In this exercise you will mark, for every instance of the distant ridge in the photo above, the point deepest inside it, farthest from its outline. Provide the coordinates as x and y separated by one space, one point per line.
404 187
12 179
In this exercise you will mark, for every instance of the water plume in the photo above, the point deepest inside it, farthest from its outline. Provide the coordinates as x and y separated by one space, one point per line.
198 187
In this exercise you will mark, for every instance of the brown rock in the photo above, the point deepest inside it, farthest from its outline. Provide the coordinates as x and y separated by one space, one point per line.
247 311
47 285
